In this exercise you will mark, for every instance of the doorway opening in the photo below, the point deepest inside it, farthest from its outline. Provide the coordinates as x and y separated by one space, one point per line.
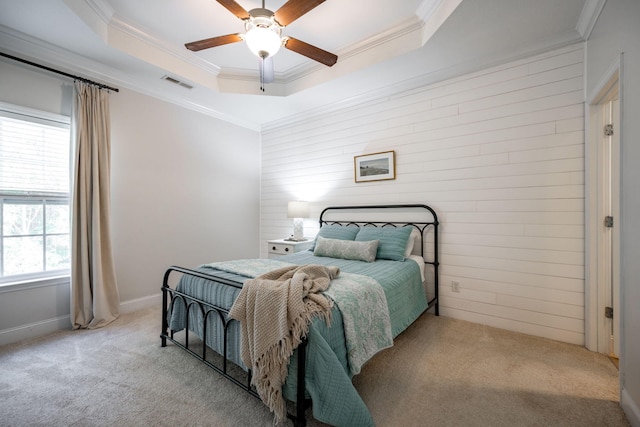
602 240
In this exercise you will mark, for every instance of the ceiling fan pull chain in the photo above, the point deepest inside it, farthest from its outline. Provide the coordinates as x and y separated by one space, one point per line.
262 71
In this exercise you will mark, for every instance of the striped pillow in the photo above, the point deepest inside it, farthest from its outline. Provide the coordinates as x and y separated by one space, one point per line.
335 231
393 240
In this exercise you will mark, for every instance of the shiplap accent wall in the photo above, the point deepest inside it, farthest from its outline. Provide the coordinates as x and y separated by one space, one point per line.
498 153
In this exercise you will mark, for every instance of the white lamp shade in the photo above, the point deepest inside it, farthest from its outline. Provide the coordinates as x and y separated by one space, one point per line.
263 42
298 209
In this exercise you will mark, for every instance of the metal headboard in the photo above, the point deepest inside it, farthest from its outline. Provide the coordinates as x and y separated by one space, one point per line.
427 219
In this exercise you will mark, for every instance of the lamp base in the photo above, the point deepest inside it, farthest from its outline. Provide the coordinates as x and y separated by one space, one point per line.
298 233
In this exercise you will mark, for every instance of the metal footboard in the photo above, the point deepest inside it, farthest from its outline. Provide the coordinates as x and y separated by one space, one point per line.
206 309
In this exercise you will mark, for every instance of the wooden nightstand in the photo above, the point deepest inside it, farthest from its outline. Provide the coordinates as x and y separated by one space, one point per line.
280 247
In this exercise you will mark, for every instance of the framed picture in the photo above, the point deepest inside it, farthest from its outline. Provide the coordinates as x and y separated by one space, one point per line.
375 167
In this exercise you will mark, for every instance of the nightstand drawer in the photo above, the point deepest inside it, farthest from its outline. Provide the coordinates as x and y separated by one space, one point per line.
281 248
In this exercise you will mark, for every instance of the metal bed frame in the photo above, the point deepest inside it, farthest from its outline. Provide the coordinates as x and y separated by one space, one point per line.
169 295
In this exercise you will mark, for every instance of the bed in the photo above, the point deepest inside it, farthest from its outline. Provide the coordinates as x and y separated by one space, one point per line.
387 258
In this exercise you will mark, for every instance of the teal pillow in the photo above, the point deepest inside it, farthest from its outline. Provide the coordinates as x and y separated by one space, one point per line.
335 231
393 240
346 249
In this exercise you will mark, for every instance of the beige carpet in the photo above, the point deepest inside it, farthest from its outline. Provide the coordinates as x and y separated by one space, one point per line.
441 372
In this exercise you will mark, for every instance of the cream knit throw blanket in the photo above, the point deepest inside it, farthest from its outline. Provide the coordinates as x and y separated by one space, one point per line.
274 311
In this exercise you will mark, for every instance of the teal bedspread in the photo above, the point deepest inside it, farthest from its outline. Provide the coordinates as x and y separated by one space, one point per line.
328 369
399 279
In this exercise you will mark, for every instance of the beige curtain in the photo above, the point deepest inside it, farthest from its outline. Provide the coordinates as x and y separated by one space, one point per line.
94 293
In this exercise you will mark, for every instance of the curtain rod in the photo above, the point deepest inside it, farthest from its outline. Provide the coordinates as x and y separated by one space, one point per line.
82 79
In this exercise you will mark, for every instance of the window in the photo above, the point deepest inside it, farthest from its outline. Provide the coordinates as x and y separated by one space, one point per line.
34 194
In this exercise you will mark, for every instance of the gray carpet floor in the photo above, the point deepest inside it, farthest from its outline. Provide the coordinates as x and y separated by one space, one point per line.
440 372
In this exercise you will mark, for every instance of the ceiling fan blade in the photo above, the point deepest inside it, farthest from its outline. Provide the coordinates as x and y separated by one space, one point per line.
266 68
213 42
235 8
294 9
310 51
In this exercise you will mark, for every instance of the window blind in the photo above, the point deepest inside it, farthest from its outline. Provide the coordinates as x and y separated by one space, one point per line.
34 155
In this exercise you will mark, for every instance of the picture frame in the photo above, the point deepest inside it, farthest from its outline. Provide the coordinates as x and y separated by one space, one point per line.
375 167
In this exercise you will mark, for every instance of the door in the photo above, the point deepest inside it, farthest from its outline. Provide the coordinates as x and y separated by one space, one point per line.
609 233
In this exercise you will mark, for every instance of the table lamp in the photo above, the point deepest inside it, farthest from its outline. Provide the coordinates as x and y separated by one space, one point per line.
298 210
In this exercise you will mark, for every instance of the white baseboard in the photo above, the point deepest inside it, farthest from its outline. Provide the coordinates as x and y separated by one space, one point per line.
630 408
48 326
33 330
140 303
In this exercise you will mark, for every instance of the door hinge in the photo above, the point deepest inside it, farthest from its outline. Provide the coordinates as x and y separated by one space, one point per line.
608 312
608 130
608 221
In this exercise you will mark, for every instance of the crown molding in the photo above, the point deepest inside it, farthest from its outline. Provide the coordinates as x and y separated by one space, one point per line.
28 47
123 36
31 48
588 17
409 27
102 9
427 8
156 43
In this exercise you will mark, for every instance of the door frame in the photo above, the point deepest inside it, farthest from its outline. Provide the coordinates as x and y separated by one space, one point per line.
597 327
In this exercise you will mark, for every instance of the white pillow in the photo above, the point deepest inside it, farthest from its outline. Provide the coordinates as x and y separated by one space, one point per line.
414 243
418 259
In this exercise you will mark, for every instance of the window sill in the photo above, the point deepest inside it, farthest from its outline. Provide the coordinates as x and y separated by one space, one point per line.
62 279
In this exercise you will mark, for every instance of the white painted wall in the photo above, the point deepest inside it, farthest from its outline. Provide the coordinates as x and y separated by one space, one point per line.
498 153
617 31
185 190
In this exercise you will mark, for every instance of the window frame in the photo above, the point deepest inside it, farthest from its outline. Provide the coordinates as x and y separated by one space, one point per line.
41 278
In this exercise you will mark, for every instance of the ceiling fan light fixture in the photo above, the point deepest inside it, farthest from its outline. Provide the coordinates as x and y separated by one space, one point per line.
263 35
263 42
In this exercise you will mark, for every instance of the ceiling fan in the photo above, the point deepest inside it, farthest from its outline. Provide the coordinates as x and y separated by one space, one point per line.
263 34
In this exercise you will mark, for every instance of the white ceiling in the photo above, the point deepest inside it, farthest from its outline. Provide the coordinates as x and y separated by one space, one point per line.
383 46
